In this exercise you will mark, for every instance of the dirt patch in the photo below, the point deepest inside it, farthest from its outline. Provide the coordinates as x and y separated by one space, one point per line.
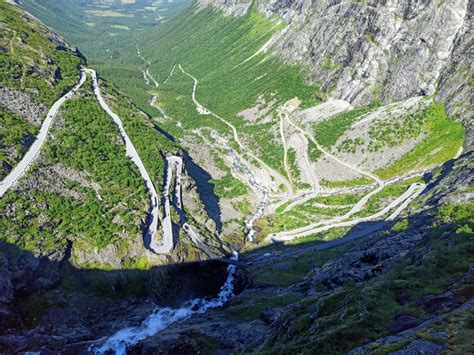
259 113
330 170
321 112
354 146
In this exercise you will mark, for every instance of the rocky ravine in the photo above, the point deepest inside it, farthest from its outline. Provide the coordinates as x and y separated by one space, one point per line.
387 50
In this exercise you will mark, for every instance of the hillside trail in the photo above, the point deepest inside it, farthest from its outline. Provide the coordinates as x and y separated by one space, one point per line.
265 186
149 79
412 192
301 197
203 110
176 165
21 168
285 154
340 221
402 201
166 244
131 153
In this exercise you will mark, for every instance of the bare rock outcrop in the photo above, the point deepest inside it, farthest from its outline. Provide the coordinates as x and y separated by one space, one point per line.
387 50
23 105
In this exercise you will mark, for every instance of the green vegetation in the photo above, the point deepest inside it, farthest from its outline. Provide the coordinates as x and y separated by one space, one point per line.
308 213
396 130
15 135
313 152
83 188
443 140
97 29
87 142
361 181
331 234
350 145
188 40
287 271
253 307
298 216
457 213
387 195
328 131
331 64
244 206
30 62
224 88
337 321
292 160
229 187
151 145
400 226
27 45
338 199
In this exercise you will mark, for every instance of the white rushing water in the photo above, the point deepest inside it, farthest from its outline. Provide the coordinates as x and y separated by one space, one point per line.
241 164
162 318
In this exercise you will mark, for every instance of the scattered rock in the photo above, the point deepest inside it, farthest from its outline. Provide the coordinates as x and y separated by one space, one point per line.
23 105
421 347
367 261
403 322
437 303
5 166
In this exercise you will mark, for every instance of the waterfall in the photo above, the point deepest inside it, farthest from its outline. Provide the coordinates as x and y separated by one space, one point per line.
162 318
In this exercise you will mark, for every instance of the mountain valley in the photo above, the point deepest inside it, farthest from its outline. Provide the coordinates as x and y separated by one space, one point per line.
236 177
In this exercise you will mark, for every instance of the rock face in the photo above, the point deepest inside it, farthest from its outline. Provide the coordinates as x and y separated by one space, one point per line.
386 50
21 273
369 260
455 85
421 347
22 104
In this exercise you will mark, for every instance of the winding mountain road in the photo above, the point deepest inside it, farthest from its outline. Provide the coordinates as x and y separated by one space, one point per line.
341 221
21 168
203 110
166 245
402 201
285 154
131 152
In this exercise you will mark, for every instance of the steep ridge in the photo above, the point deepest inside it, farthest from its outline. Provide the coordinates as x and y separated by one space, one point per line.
388 50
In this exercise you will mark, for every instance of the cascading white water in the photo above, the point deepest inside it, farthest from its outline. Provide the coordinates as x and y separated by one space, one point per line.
162 318
240 164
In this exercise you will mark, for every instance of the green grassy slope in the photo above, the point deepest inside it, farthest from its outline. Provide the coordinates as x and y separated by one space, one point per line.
82 187
213 47
29 58
107 32
442 142
15 134
86 143
30 62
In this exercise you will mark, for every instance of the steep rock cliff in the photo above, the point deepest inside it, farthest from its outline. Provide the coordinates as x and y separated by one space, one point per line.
387 50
